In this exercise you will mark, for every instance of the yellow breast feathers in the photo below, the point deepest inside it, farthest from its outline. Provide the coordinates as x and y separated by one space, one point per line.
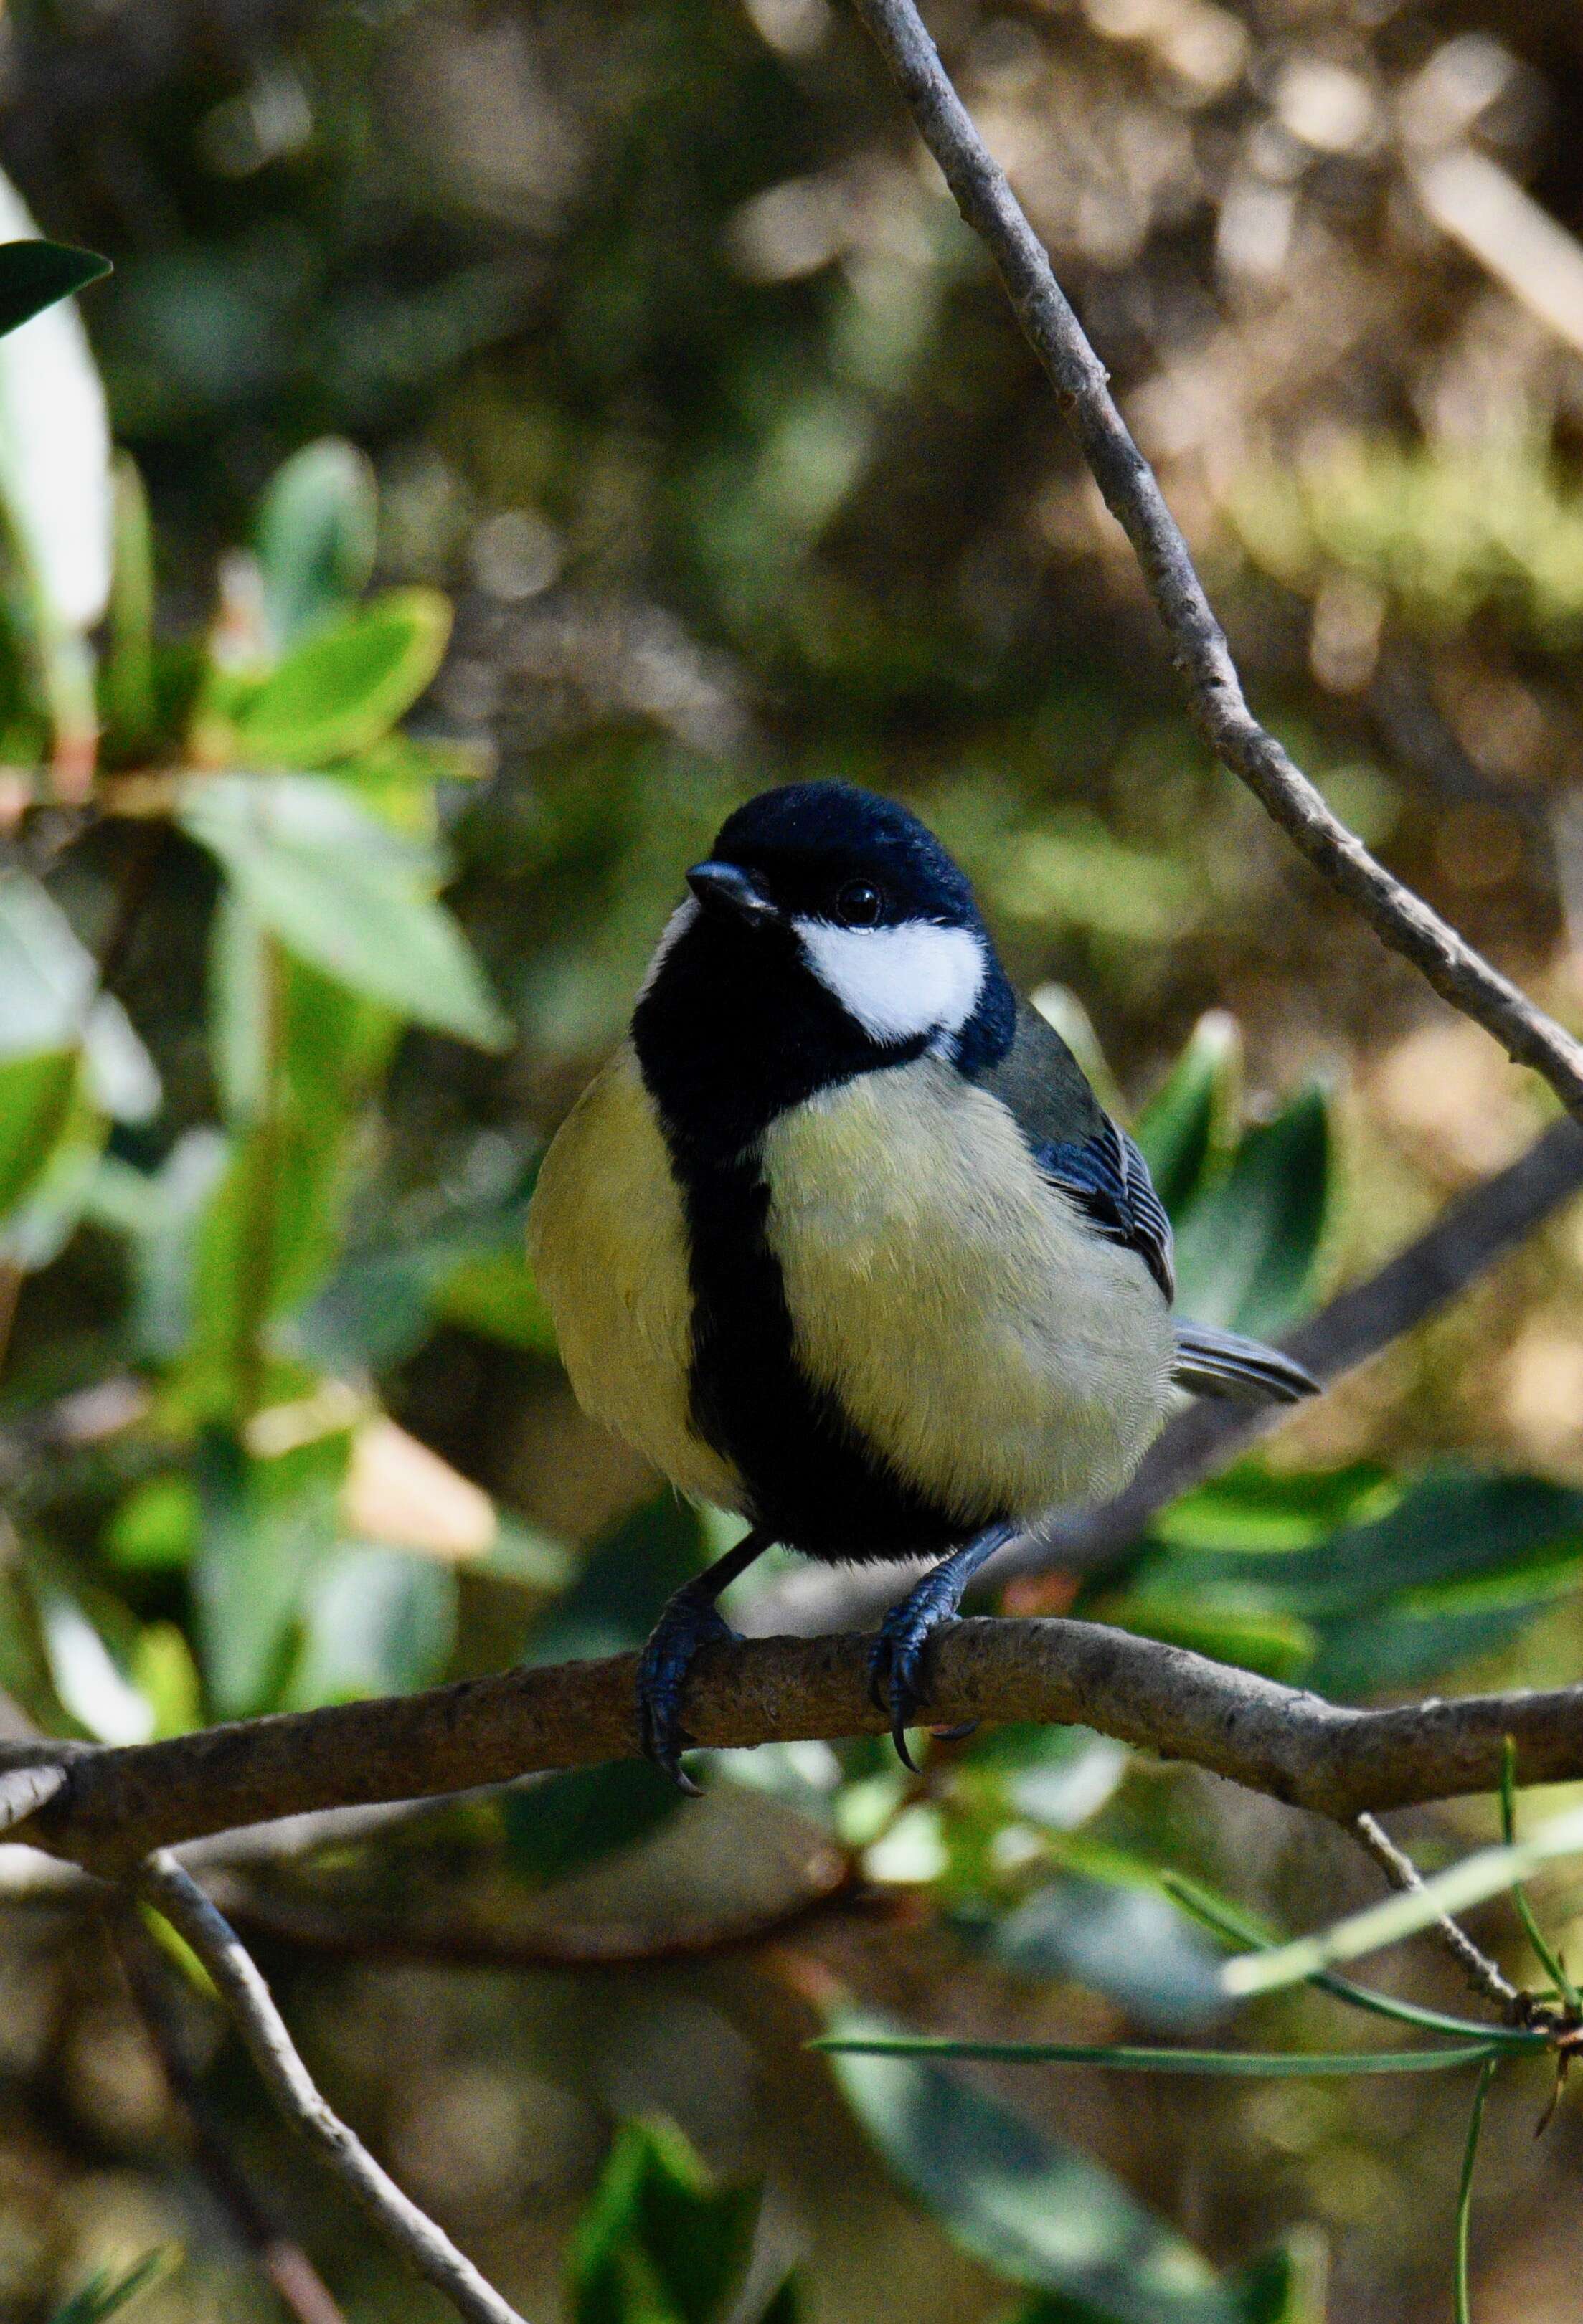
607 1240
980 1334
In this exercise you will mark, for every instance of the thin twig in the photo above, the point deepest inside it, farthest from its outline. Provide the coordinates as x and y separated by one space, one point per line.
236 1975
1132 492
278 2255
1482 1973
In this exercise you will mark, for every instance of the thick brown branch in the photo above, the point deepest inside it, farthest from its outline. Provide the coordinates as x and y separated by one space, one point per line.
117 1804
1132 494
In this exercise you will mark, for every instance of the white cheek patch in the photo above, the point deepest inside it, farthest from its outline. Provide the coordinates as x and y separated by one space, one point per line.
675 928
902 982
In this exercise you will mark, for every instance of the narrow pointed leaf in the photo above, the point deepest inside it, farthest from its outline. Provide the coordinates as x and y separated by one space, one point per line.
1253 2065
1488 1873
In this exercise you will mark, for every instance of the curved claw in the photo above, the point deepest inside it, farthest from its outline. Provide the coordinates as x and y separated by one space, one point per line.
896 1682
689 1622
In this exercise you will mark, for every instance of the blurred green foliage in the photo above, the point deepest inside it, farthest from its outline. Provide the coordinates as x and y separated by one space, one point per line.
694 448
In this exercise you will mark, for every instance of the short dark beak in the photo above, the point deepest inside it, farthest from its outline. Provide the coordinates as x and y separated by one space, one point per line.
724 886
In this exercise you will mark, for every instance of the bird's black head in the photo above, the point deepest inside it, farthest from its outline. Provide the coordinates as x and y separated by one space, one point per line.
827 934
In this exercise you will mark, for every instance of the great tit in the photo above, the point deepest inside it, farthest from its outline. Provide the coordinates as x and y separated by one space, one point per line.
842 1240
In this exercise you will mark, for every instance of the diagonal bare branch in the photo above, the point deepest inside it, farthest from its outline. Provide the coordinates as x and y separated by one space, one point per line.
1198 649
183 1904
1484 1975
277 2255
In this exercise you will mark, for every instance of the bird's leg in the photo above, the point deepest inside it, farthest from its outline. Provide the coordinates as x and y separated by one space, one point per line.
896 1661
691 1620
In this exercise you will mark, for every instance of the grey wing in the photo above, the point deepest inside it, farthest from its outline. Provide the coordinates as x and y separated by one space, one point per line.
1107 1177
1078 1147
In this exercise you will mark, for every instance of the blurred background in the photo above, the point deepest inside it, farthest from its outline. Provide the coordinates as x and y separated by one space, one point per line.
537 428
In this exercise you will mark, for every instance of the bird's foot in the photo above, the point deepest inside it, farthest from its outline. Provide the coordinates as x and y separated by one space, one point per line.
691 1620
897 1682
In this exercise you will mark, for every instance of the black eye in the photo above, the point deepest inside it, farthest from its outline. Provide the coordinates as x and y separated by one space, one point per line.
860 905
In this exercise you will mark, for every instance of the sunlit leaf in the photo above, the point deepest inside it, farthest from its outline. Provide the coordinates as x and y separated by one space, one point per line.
1058 1776
1490 1872
54 442
342 891
316 537
35 1106
166 1676
85 1676
341 688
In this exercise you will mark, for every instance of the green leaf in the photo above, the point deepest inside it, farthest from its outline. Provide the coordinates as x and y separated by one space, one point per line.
1030 2207
1249 2065
573 1819
155 1528
108 2293
1276 1645
375 1621
1255 1507
1126 1941
1186 1128
36 1108
1246 1250
1550 1961
627 1576
1454 1568
787 2306
346 894
1490 1872
50 1002
268 1527
1243 1928
1056 1776
1464 2192
493 1293
127 694
344 688
1385 1651
85 1675
658 2244
316 533
35 275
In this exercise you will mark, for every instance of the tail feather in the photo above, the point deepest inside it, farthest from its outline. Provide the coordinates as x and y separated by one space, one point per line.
1212 1362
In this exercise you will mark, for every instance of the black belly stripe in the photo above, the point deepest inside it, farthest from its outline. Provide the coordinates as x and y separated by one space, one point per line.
816 1485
